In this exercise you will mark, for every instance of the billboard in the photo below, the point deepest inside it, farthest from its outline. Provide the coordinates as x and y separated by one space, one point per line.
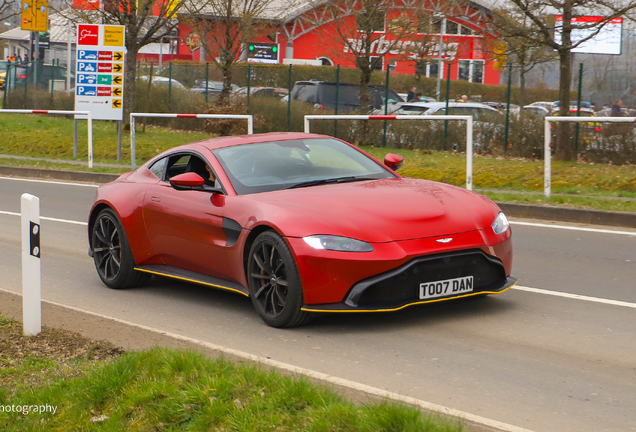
261 52
34 15
607 41
99 70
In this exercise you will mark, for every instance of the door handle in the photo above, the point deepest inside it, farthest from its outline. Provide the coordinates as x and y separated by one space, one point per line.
155 199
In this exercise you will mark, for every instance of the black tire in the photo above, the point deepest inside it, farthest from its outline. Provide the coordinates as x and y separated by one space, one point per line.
113 258
274 283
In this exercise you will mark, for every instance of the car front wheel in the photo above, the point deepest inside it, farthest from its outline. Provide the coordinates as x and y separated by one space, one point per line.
112 255
274 283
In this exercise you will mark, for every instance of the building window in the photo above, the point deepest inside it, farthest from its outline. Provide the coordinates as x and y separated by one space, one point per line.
372 20
471 71
427 69
379 66
452 28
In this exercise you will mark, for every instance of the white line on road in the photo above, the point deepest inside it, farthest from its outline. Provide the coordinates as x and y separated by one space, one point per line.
49 182
48 218
594 230
576 296
429 406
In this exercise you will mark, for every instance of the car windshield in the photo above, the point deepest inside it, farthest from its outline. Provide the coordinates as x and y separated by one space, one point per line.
277 165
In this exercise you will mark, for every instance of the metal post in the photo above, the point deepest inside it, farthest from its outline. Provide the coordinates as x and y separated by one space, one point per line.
250 125
446 112
36 58
578 113
31 267
69 61
440 69
75 139
207 80
89 120
119 133
508 109
386 105
7 85
335 122
469 154
249 78
132 141
161 54
170 87
289 89
547 159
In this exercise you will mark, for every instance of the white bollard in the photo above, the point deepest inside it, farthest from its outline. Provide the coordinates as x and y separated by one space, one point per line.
31 283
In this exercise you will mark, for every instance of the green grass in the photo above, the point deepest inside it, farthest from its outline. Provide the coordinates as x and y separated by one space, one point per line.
164 389
586 185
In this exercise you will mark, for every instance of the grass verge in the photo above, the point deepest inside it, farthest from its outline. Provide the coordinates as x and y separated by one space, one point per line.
93 386
583 185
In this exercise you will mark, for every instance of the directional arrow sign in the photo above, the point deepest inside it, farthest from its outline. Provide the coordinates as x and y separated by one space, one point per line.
117 56
116 91
117 79
117 68
116 103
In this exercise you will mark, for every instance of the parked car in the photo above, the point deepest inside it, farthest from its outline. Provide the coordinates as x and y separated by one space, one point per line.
3 73
22 73
162 81
278 92
322 94
294 224
479 111
214 87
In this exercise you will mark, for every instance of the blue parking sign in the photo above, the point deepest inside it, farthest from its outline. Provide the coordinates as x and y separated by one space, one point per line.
87 55
86 91
86 67
87 79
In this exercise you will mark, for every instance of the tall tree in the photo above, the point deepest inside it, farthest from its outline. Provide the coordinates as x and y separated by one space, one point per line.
546 32
146 22
225 27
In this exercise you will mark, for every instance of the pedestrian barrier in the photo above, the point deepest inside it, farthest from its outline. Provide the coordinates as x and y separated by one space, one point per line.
547 160
469 131
249 118
84 115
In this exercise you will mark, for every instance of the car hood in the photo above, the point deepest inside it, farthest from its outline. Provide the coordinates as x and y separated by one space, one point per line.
374 211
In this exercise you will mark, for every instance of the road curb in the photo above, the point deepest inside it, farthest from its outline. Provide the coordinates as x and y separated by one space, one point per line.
595 217
57 174
563 214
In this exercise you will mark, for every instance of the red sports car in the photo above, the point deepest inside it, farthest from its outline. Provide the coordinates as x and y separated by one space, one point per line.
300 223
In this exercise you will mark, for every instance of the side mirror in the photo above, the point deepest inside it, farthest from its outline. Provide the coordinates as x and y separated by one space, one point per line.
393 161
192 181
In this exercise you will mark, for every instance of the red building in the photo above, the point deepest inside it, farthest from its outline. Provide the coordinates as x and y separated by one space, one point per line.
309 32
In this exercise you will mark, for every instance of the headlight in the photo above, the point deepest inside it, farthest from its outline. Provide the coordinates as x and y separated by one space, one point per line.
501 224
334 243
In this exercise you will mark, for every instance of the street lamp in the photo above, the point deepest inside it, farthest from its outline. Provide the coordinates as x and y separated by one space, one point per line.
440 47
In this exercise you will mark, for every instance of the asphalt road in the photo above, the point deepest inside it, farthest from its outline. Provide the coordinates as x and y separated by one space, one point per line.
530 359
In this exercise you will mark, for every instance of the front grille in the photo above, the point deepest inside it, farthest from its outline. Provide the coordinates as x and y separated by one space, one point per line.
401 286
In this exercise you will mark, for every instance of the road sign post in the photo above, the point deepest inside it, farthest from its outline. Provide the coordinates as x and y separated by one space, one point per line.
31 278
100 70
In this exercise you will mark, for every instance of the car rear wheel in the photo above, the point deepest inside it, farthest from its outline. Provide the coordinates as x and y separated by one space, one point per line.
274 283
112 255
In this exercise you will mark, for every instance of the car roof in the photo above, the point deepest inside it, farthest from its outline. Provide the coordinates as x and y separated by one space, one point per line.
227 141
443 105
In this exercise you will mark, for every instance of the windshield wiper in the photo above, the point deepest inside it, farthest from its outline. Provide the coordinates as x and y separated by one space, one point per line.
326 181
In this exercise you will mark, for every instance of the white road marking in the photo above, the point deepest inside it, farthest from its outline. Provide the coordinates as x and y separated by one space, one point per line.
429 406
576 296
572 228
49 182
47 218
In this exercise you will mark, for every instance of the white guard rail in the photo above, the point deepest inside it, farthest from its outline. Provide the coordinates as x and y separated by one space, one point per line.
547 160
249 118
85 115
467 119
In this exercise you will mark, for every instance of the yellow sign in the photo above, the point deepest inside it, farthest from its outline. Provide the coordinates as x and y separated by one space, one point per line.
116 91
499 57
117 67
114 36
118 79
118 56
34 15
116 103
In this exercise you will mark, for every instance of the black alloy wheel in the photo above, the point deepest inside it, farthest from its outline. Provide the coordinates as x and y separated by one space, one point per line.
112 255
274 283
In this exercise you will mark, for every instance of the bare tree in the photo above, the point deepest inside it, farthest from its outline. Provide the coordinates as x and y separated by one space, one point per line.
225 27
540 17
146 22
369 30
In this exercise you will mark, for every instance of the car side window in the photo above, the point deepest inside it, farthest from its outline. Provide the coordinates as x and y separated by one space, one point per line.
157 168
